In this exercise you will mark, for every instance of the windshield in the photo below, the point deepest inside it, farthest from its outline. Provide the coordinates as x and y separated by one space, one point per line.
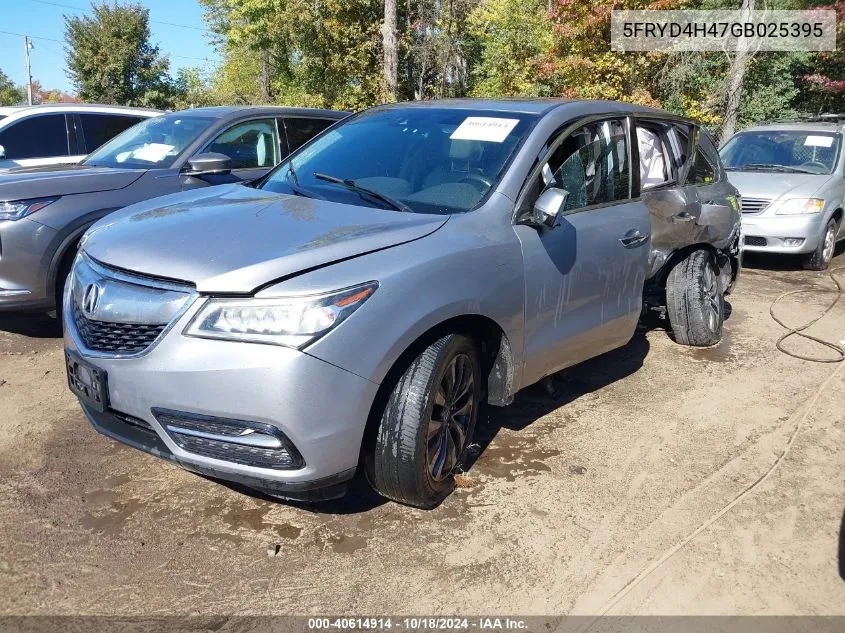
800 152
421 159
155 142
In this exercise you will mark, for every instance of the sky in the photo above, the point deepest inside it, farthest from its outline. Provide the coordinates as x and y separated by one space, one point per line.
43 21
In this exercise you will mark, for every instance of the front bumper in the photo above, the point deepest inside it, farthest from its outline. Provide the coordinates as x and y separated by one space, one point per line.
766 233
26 250
320 408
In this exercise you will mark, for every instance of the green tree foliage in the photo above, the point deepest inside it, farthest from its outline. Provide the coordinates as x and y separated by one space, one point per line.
324 54
111 60
513 36
10 94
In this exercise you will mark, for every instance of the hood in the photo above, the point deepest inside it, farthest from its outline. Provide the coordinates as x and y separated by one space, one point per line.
772 185
20 183
234 239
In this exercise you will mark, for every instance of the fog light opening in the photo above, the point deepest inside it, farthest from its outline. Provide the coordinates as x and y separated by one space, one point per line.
238 441
793 241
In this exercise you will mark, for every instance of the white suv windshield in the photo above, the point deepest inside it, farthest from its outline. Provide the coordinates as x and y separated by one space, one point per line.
421 159
782 151
155 142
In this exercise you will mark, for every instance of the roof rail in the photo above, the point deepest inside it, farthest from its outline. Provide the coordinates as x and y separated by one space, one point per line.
808 118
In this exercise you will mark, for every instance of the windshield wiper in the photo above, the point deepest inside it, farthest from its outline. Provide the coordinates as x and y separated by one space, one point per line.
771 167
352 185
297 188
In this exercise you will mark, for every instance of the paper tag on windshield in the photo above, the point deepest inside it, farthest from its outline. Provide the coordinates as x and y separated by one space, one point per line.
818 141
484 128
152 152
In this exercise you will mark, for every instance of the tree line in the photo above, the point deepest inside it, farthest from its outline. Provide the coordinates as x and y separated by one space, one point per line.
351 54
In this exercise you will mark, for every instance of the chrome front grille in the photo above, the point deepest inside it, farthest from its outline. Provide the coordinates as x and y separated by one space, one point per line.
118 338
115 313
754 205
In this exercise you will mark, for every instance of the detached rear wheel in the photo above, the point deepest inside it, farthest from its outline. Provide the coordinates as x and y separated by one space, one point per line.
695 300
428 423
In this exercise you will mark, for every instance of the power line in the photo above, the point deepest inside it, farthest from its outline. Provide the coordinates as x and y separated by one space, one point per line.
80 9
50 39
33 37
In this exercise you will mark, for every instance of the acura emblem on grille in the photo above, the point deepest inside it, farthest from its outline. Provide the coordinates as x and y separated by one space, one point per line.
91 299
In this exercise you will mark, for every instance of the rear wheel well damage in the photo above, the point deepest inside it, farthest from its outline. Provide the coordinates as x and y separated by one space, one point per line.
654 294
497 363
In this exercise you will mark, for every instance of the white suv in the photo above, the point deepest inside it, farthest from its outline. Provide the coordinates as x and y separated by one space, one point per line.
60 133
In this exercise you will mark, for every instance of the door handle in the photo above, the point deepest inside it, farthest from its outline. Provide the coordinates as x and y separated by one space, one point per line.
683 216
634 238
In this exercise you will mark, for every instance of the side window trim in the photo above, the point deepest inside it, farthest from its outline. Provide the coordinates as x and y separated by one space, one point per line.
559 136
76 140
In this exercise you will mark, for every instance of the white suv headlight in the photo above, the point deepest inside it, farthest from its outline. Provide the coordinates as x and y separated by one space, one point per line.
289 321
799 206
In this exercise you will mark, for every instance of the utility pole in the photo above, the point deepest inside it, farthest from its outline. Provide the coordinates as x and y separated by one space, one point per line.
27 44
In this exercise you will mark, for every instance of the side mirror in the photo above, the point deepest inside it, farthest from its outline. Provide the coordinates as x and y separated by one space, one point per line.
2 152
209 164
548 207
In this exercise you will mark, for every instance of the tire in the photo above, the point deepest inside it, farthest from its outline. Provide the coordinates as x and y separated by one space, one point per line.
695 300
61 279
820 258
416 452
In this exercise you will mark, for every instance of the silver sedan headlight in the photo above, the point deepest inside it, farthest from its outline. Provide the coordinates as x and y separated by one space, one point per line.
798 206
289 321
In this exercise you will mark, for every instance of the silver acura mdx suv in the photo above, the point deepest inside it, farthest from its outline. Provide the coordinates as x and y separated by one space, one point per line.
791 177
356 306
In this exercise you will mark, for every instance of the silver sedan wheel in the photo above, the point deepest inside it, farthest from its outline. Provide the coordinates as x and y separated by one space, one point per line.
829 244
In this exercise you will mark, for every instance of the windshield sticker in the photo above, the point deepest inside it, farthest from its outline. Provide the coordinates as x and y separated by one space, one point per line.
151 152
818 141
483 128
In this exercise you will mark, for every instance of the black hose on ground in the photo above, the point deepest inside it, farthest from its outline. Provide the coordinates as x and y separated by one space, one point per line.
799 331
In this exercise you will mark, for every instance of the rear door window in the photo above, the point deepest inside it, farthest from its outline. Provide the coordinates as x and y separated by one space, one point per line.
705 167
101 128
658 156
300 130
42 136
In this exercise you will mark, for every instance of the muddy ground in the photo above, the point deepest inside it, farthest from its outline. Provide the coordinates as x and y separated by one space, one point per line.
570 499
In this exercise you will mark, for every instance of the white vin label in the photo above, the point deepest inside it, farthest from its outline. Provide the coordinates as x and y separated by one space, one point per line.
484 128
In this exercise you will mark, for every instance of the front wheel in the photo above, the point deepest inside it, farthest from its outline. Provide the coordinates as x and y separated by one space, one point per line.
695 300
428 423
820 258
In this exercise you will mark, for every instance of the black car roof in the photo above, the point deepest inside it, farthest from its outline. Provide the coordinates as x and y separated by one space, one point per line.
538 106
220 112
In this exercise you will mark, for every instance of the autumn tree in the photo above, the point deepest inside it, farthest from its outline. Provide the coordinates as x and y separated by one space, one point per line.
10 94
326 54
110 58
513 38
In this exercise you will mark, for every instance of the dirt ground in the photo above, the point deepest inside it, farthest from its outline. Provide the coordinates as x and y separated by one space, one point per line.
569 500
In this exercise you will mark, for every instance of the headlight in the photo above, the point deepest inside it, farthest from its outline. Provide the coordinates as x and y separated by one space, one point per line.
20 208
290 321
799 206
